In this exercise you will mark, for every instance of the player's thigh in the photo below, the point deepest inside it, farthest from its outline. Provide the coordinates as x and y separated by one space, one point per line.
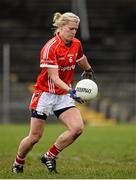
36 127
72 118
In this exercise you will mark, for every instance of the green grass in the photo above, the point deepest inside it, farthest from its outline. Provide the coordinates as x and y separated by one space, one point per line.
101 152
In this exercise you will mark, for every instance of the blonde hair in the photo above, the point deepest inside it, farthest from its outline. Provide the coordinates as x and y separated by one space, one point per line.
60 20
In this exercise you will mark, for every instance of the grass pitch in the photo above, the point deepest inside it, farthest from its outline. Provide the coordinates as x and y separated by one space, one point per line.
99 153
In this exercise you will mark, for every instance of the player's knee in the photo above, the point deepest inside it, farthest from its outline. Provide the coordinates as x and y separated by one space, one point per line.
77 131
35 138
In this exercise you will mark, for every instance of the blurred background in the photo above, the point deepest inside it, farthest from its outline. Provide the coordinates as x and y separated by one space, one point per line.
108 34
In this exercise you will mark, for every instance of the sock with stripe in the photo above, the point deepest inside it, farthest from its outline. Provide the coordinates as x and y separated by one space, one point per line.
53 152
19 160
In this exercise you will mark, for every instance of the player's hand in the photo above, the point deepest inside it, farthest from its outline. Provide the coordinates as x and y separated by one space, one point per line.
72 93
88 74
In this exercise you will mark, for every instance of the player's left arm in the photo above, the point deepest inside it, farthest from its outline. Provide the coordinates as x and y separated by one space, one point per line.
84 64
88 71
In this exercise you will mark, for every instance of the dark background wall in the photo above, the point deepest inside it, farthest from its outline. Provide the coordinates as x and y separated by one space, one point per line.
26 25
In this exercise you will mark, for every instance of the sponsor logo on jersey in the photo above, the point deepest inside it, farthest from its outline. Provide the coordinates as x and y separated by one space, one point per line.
67 68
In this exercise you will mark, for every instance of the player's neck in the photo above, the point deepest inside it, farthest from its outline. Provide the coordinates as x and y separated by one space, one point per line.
66 42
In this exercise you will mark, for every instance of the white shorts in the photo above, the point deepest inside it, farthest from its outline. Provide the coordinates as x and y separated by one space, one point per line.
47 103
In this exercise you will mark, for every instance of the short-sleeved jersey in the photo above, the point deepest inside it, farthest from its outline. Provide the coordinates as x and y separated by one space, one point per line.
55 54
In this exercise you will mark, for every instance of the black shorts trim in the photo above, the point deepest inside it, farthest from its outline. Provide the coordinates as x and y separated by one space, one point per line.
39 115
60 111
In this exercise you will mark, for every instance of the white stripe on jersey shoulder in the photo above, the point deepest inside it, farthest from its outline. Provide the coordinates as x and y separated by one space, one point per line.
48 66
47 47
80 58
58 44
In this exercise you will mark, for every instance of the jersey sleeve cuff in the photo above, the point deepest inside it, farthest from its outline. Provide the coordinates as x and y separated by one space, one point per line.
48 65
80 58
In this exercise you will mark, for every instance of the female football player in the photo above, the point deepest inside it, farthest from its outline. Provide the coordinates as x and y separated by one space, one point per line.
53 92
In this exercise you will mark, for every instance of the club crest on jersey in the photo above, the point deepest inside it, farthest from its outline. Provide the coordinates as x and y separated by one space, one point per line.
70 59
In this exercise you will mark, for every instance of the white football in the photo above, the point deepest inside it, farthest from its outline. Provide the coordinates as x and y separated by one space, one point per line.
86 89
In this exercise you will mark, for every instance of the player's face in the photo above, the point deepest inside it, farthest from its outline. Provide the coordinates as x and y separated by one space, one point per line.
68 31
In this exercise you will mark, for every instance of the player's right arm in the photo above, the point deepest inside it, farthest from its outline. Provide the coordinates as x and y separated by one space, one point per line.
53 74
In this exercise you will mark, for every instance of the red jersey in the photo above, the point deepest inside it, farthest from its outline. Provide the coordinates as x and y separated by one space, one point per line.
55 54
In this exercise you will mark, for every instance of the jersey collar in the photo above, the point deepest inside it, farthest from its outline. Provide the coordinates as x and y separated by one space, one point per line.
60 40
